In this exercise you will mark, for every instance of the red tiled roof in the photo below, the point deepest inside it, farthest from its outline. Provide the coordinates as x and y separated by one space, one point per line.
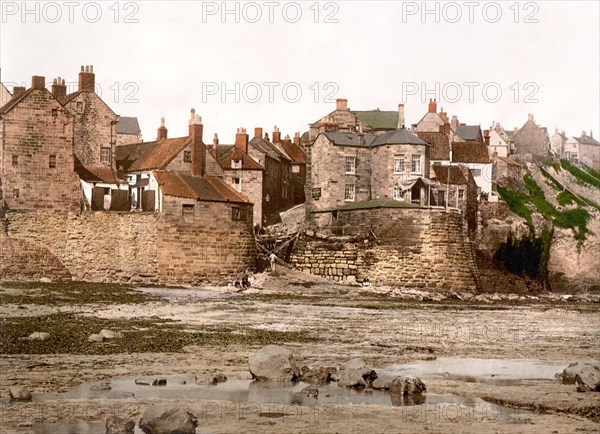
470 152
440 145
102 174
456 174
248 163
294 151
137 157
202 188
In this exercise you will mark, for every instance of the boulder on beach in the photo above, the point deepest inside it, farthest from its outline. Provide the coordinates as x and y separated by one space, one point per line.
273 363
119 425
407 386
585 375
163 419
318 375
355 373
19 393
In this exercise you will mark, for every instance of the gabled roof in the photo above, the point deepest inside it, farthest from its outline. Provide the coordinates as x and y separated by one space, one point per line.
440 145
67 98
201 188
470 133
349 139
587 140
456 174
294 151
15 101
138 157
400 136
267 148
470 152
101 174
377 119
128 125
248 163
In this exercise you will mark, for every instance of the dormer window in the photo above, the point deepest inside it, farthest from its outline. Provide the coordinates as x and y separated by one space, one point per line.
236 164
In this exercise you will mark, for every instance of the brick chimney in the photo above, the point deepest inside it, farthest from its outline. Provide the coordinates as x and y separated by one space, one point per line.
276 135
59 89
432 105
241 140
297 139
258 132
38 82
400 115
196 130
443 115
486 137
18 91
162 130
341 104
87 80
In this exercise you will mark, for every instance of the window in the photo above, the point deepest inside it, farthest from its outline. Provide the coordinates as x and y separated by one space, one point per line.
416 164
349 193
187 209
476 172
79 107
461 194
15 160
54 113
350 165
398 194
16 193
295 168
105 155
187 156
236 164
398 163
236 213
52 161
237 184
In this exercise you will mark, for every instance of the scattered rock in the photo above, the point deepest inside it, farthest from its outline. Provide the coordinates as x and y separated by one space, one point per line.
159 382
103 385
38 336
407 386
45 280
311 391
19 393
142 383
383 381
319 376
109 334
273 363
118 425
585 375
218 378
354 373
162 419
96 338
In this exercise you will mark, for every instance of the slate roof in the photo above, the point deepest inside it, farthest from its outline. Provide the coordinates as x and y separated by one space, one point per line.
93 174
470 152
267 148
377 119
294 151
456 175
201 188
348 139
587 140
248 163
440 145
471 133
400 136
128 125
138 157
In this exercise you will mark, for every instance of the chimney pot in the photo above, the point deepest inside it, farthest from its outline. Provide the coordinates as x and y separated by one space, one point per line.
530 117
258 132
432 105
59 89
38 82
400 115
162 130
87 80
341 104
195 134
241 140
276 134
297 139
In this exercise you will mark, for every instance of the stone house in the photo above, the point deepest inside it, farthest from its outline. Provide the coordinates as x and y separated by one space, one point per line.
94 144
505 167
5 95
346 167
433 122
457 189
136 161
557 144
37 152
531 142
475 156
499 145
297 168
343 119
128 130
584 149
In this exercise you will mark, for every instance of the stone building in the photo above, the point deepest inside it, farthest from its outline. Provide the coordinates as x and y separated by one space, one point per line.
557 144
136 161
499 142
343 119
37 152
457 189
128 130
507 168
475 156
583 149
531 142
94 144
297 168
433 122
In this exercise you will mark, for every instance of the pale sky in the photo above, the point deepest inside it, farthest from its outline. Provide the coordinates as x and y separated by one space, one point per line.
159 59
